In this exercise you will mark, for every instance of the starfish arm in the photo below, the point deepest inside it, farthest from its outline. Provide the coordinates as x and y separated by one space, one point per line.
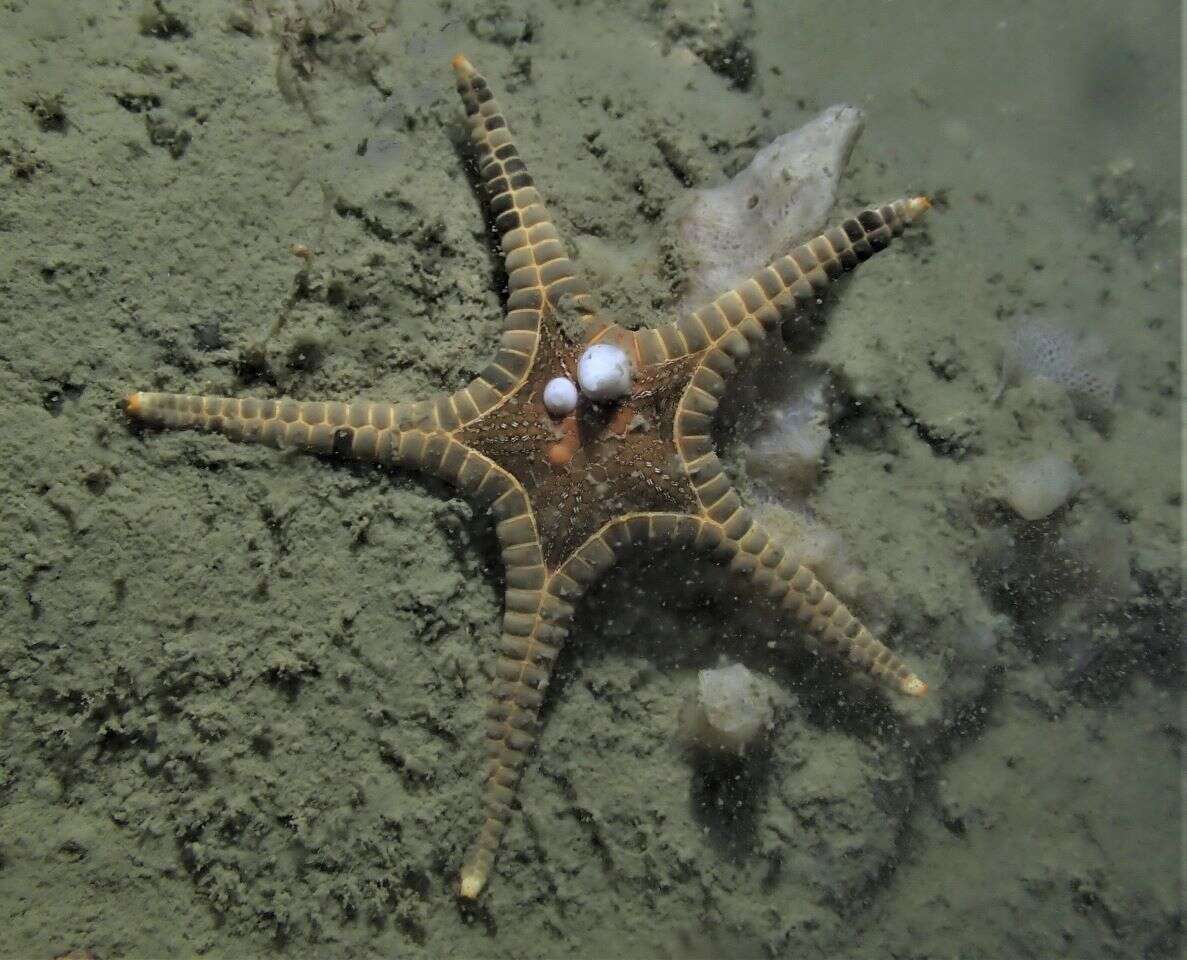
539 271
833 628
413 435
750 554
539 607
740 318
533 633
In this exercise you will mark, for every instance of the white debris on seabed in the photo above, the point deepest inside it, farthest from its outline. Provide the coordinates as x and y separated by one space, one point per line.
782 198
784 453
731 711
1035 489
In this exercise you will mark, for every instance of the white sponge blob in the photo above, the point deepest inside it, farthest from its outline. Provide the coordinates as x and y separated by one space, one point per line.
560 396
731 710
604 372
1037 488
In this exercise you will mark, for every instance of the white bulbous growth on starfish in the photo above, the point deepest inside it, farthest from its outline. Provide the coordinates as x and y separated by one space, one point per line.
560 396
604 372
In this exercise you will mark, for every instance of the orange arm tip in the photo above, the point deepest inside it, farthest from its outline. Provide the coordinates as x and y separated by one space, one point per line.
918 206
914 687
470 885
132 405
461 65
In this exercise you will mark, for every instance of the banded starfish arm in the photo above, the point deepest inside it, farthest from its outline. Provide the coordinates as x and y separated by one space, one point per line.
740 318
540 274
751 555
411 435
831 626
533 633
539 607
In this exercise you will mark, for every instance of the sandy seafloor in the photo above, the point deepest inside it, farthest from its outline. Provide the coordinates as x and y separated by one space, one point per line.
243 691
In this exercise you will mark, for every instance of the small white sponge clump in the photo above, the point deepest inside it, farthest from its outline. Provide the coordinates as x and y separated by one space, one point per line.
731 710
604 372
560 396
1037 488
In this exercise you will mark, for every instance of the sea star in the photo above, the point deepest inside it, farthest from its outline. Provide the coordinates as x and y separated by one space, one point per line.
571 493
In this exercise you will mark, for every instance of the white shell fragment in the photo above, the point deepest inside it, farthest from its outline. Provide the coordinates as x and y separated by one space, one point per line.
604 372
560 396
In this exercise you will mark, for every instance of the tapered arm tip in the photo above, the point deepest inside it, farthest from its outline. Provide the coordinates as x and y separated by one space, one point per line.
471 885
462 67
917 207
912 686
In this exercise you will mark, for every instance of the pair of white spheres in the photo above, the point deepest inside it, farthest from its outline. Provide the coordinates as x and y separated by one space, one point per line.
603 373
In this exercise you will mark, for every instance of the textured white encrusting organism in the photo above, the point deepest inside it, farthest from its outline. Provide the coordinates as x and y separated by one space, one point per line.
560 396
782 198
604 372
1036 488
1039 349
731 710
